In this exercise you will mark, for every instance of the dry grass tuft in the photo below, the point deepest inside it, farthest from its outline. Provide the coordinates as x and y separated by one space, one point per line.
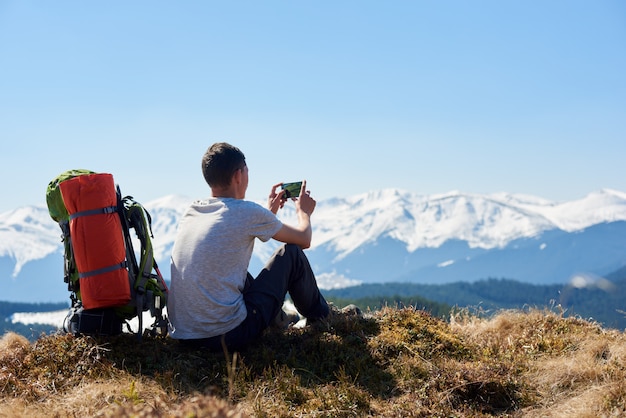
575 367
12 342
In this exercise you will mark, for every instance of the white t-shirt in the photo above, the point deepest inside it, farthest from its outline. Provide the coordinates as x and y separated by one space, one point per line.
209 265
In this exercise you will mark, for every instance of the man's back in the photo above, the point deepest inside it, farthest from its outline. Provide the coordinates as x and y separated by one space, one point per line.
209 264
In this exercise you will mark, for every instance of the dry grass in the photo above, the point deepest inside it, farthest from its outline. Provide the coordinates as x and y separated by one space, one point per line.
575 367
394 362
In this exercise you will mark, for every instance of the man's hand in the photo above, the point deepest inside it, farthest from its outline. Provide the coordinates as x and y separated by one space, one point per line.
275 200
305 202
305 205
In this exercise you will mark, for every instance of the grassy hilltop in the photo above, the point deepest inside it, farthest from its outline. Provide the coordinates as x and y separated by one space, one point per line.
393 362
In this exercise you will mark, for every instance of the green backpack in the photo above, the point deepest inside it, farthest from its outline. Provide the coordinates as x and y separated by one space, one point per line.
109 283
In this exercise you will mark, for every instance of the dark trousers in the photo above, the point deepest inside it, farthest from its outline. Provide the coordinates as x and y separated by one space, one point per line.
288 271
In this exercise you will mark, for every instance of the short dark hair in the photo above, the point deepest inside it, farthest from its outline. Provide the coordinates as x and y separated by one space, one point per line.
220 162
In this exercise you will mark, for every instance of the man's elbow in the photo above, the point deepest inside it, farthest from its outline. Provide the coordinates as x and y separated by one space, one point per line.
304 241
307 240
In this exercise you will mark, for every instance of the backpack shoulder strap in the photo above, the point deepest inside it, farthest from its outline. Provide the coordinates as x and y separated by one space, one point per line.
151 290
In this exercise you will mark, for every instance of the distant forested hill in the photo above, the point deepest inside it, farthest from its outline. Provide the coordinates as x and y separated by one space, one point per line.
30 331
603 301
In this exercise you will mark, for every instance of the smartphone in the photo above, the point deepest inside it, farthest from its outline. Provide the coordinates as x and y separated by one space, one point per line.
291 189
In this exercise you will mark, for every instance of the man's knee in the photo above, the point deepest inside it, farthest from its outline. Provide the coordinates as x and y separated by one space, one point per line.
289 250
289 256
292 249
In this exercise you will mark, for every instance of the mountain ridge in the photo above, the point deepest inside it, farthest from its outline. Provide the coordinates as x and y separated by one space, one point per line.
382 235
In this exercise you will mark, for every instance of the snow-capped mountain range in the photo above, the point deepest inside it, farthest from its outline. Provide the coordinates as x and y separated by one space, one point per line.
381 236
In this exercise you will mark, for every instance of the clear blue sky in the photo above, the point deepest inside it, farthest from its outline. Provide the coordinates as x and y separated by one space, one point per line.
427 96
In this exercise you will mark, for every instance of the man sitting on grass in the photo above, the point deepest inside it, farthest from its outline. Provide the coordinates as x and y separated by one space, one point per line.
213 299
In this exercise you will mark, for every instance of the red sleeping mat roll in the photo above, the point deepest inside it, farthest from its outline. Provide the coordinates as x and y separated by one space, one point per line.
97 240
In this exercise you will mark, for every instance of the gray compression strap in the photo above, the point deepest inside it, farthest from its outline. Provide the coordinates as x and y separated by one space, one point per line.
102 270
108 209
